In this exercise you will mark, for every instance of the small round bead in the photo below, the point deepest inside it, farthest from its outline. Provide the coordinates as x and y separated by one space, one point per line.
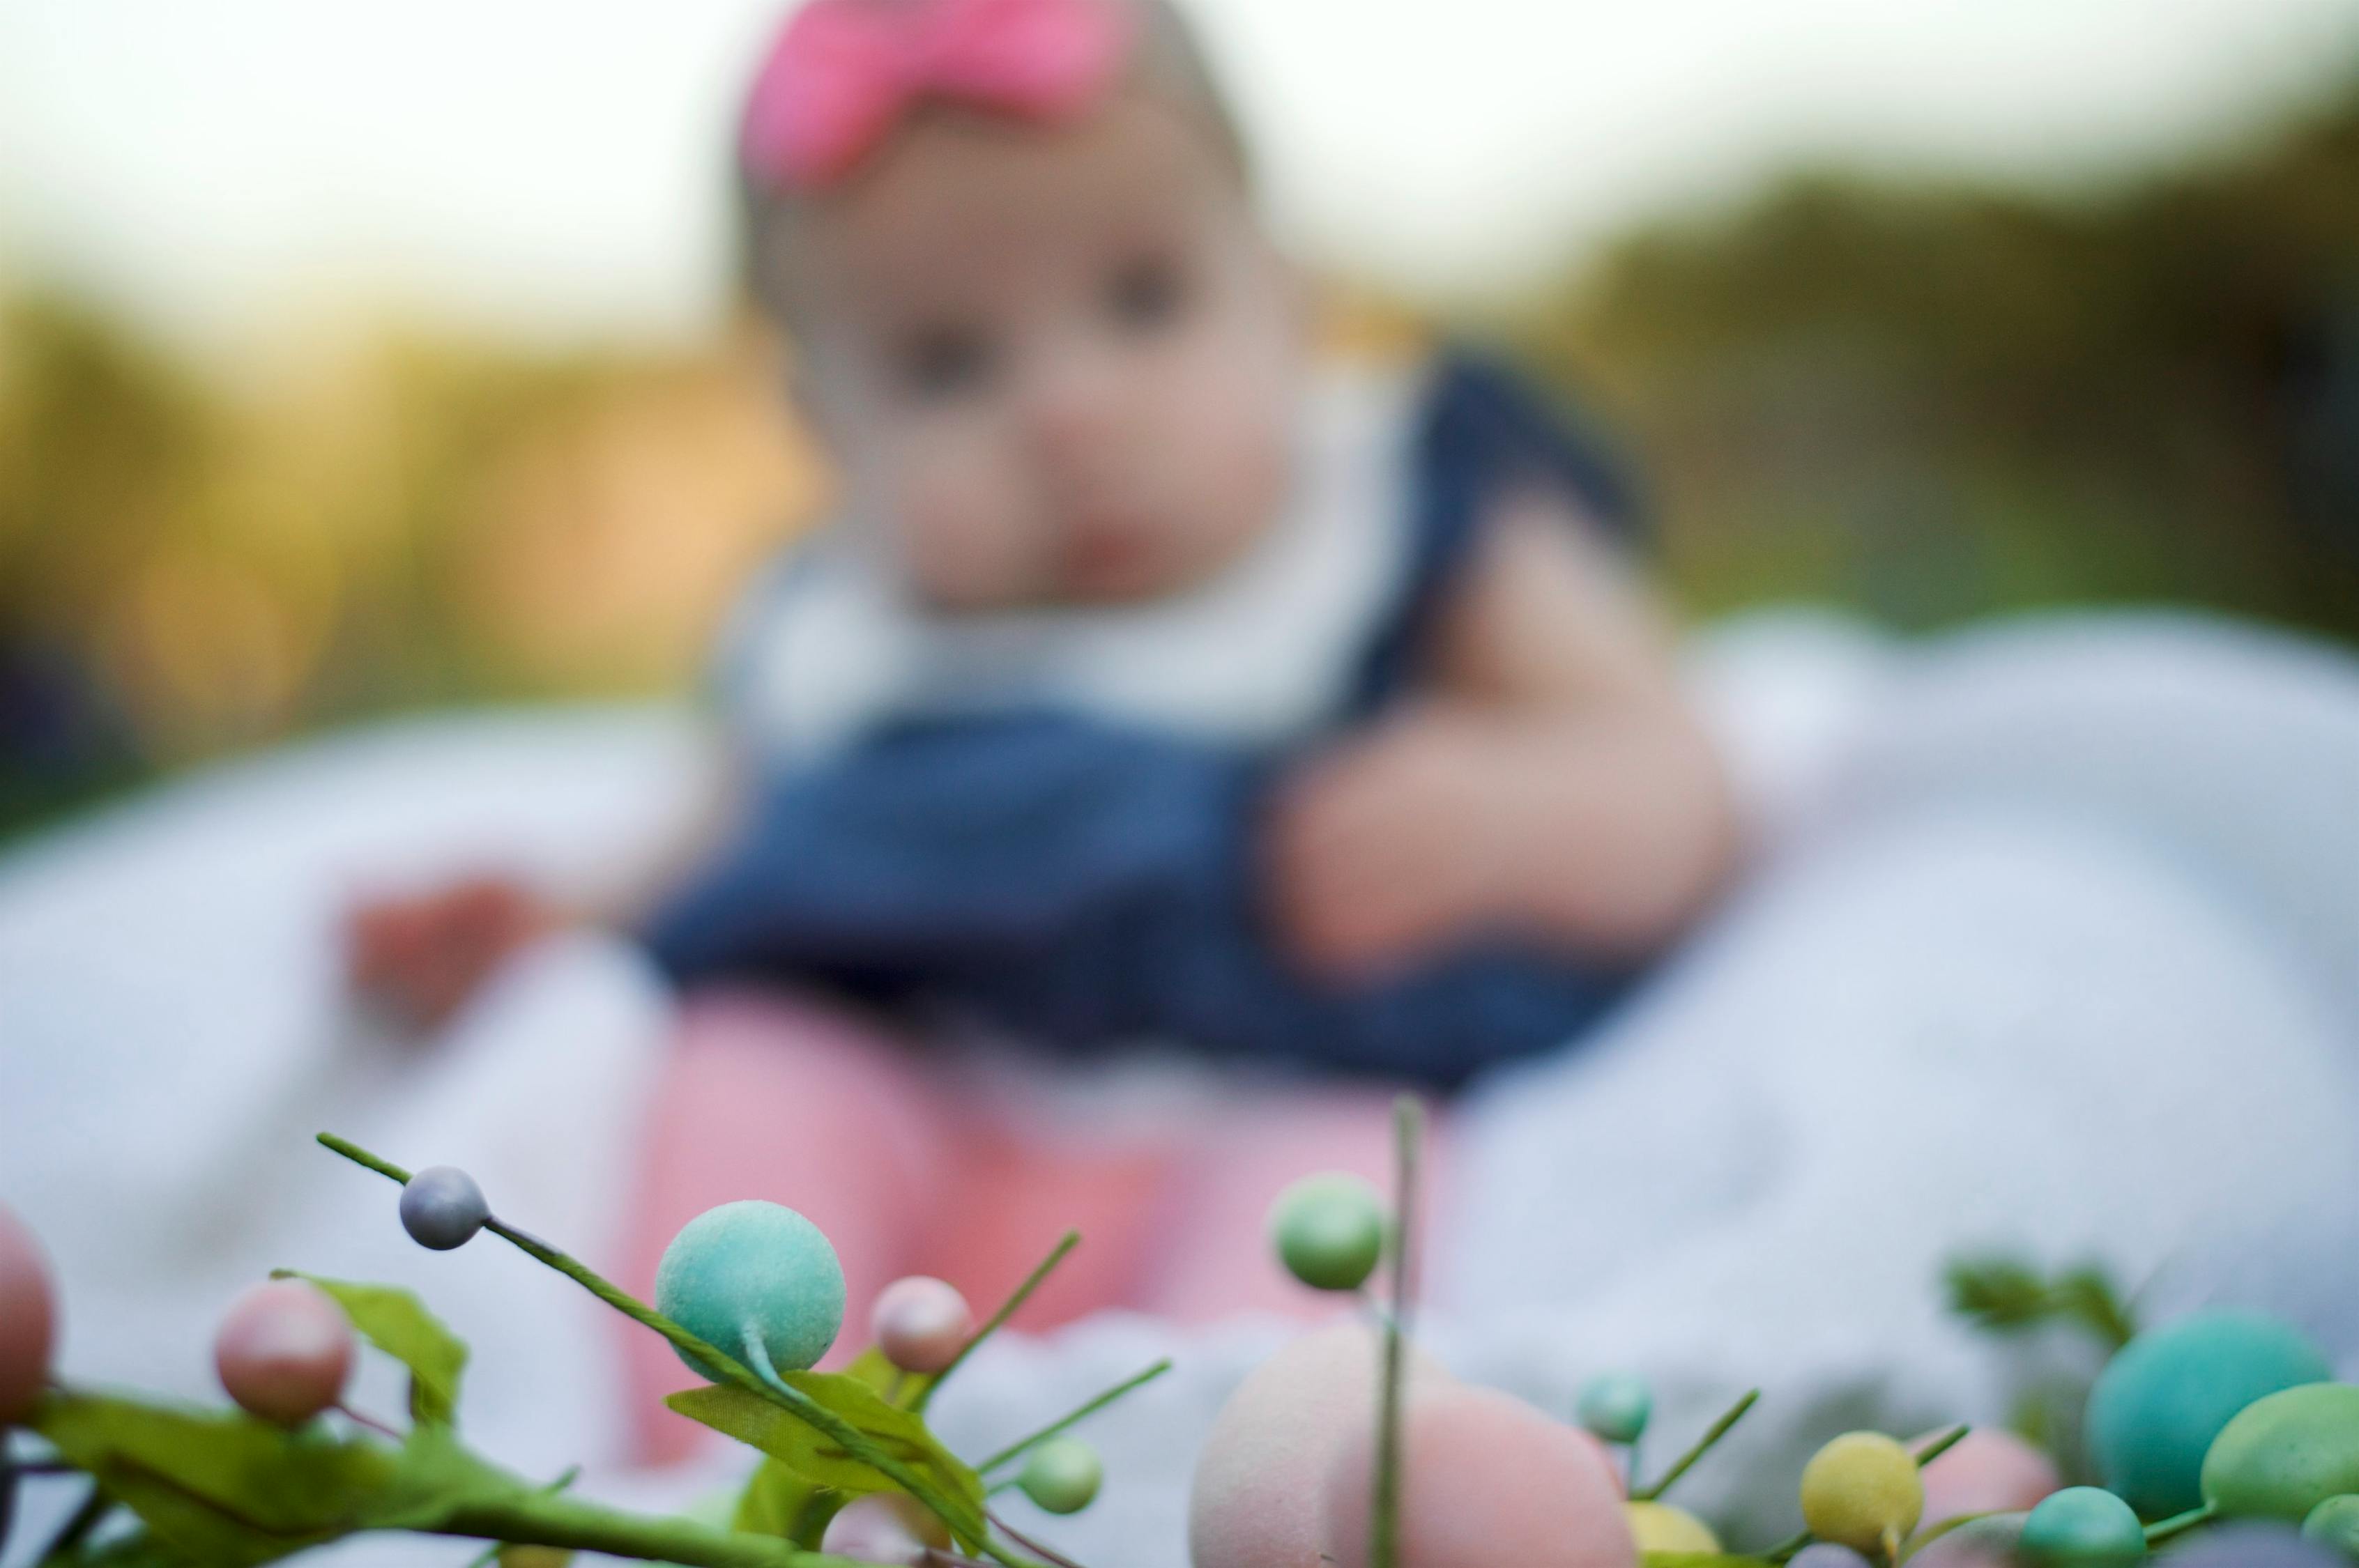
758 1270
886 1528
441 1207
1862 1491
1658 1527
284 1351
2083 1527
1826 1554
1616 1407
1330 1231
1063 1476
2334 1523
28 1321
921 1323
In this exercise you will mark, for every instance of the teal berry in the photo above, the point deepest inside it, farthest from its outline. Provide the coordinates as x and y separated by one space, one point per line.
1615 1407
2083 1527
441 1207
1063 1476
2334 1524
756 1279
1330 1231
2158 1404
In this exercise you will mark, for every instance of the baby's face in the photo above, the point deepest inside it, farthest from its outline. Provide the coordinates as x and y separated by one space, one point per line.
1056 366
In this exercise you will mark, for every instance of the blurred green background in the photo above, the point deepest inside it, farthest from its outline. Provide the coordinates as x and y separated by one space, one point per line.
1925 403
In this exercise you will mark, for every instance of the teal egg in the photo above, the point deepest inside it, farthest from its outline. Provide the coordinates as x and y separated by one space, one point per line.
2334 1524
2082 1527
2284 1455
753 1269
1616 1407
1330 1231
2160 1402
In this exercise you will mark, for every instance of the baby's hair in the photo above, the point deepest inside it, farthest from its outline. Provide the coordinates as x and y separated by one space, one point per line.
1166 62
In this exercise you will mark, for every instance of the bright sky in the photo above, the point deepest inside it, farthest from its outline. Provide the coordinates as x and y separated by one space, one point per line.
551 166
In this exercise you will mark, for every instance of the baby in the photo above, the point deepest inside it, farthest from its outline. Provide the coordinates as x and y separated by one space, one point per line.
1152 686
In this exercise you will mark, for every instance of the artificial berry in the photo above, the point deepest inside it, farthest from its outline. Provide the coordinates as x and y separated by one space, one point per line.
1330 1231
1063 1476
284 1351
2284 1455
1486 1482
921 1323
758 1272
1616 1407
1826 1554
2160 1402
2334 1524
441 1207
28 1322
1862 1491
887 1527
1658 1527
2083 1527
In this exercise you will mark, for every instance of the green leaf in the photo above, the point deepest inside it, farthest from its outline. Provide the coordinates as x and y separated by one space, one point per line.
219 1488
398 1322
2007 1295
779 1432
907 1389
437 1479
781 1501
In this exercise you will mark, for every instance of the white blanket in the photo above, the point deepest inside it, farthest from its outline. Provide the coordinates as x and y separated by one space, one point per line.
2054 943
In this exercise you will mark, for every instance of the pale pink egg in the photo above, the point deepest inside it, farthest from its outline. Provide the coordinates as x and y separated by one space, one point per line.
1485 1480
1990 1471
921 1323
1259 1498
886 1528
284 1351
28 1320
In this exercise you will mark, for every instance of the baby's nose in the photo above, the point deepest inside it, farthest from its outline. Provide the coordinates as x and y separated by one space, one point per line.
1073 407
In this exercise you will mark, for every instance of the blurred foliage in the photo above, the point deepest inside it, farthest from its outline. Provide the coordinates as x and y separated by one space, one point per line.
1928 404
1939 402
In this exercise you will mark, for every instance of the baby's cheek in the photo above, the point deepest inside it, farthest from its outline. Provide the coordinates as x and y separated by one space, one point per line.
964 530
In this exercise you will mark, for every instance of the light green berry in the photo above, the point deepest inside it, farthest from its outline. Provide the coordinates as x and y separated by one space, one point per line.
1063 1476
1862 1491
1330 1231
1616 1407
2334 1524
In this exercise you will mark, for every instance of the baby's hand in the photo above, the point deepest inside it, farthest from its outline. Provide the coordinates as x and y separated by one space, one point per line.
421 957
1385 849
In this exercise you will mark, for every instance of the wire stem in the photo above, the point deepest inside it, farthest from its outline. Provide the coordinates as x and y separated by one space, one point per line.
999 1320
1702 1446
1025 1444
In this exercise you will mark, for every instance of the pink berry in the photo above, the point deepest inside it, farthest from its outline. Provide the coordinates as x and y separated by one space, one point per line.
284 1351
29 1321
1989 1471
1485 1480
1256 1499
921 1325
886 1528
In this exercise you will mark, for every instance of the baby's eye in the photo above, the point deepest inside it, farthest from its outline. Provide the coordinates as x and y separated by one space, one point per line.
1147 293
944 363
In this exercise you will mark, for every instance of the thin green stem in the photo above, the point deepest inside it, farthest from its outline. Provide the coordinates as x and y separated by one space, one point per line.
1790 1547
1384 1535
1942 1444
1702 1446
547 1519
1023 1446
999 1320
728 1370
2180 1524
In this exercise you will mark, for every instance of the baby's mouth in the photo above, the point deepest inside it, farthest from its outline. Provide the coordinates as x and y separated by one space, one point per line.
1110 561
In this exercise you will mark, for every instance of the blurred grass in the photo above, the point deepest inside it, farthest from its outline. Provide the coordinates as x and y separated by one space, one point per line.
1927 403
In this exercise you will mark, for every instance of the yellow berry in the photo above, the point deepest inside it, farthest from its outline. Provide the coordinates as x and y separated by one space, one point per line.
1862 1491
1658 1527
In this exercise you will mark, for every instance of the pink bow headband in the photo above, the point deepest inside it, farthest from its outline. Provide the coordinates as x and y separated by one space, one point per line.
844 72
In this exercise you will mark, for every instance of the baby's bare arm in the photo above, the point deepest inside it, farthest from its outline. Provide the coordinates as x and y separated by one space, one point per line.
1553 782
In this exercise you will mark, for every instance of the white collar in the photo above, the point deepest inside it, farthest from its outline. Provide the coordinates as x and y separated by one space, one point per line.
1266 651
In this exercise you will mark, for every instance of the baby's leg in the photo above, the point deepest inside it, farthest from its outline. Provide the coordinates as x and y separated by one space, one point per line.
792 1101
1211 1240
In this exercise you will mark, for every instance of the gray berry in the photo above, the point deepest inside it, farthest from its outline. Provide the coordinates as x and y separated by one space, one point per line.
442 1207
